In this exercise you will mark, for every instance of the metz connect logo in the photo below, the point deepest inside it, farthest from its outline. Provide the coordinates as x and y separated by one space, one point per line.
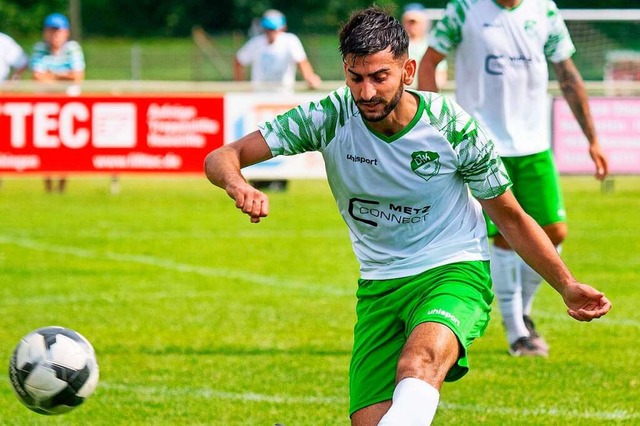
425 164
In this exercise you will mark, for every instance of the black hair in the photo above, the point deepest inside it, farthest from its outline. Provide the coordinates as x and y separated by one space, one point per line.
373 30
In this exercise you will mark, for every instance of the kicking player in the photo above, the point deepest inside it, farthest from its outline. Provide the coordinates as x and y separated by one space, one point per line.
404 168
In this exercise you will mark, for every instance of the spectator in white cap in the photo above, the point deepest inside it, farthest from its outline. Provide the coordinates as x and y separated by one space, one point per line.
417 24
274 56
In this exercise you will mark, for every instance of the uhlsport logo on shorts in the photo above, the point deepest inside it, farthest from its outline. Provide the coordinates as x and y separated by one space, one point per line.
425 164
445 314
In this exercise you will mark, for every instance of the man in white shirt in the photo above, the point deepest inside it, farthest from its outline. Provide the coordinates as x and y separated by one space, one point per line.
13 60
274 57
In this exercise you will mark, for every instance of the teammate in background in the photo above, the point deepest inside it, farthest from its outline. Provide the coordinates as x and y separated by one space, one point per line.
58 59
502 48
274 57
416 21
13 60
403 167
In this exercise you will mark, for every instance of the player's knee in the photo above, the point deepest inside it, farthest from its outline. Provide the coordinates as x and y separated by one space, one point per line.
556 232
425 365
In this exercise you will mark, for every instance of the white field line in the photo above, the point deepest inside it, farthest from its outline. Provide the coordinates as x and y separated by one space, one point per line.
240 275
244 276
164 391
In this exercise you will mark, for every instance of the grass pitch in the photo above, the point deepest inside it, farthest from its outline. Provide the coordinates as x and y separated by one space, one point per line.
200 318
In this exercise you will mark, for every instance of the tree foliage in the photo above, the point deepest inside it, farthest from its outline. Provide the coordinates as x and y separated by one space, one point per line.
176 17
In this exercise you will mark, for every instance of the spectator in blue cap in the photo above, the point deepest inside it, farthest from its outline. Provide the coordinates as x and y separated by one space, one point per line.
274 56
57 59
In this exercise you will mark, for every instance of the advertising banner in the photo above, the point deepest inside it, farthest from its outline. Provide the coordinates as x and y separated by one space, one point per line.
243 113
111 134
618 128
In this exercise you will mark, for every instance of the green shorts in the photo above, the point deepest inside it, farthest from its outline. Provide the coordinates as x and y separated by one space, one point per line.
457 295
536 186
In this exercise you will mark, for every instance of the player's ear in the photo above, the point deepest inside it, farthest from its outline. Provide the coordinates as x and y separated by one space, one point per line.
409 71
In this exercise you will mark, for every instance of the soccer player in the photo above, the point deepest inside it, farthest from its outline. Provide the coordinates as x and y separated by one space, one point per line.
404 168
502 48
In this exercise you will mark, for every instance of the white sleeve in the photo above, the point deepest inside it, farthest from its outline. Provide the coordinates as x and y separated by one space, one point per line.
297 51
245 55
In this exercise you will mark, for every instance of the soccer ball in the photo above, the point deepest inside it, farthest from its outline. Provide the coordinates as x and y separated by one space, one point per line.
53 370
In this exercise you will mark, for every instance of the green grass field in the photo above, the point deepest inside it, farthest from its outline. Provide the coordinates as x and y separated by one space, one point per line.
200 318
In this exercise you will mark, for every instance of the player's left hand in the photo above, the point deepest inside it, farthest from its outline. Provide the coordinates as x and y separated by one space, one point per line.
585 303
600 160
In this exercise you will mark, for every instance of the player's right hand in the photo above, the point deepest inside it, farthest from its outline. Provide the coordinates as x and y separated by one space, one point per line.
249 200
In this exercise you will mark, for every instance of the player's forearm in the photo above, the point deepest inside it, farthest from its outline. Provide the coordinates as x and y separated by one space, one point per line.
575 93
222 167
529 240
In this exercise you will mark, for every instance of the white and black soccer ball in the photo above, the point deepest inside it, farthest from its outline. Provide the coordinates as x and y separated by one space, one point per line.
53 370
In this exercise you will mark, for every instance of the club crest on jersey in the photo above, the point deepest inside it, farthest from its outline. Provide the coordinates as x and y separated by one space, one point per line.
530 27
425 164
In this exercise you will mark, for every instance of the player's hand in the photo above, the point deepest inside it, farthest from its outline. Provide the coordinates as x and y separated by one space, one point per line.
585 303
249 200
600 160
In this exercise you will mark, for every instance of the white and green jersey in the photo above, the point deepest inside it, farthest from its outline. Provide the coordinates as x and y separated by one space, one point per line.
501 67
406 199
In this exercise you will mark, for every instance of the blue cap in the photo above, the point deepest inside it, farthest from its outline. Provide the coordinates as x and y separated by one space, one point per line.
414 7
56 20
273 20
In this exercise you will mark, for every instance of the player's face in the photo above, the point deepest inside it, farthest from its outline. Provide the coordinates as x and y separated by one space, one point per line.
376 82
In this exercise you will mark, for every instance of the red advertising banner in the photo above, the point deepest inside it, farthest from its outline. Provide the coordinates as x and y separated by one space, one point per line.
618 126
110 134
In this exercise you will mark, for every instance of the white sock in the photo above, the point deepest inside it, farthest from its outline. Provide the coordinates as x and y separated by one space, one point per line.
508 290
414 404
531 281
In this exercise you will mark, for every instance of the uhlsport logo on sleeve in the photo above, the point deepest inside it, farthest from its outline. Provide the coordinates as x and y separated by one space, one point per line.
425 164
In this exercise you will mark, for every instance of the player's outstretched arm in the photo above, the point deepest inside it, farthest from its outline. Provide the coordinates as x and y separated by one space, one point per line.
529 240
223 166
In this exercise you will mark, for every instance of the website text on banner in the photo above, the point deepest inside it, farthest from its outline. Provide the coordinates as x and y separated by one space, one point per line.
618 128
108 134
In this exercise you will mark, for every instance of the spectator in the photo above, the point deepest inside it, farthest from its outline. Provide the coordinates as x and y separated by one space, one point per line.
58 59
274 56
13 60
417 24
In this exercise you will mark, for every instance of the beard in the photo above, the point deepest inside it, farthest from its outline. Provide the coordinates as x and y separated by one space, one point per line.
388 105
